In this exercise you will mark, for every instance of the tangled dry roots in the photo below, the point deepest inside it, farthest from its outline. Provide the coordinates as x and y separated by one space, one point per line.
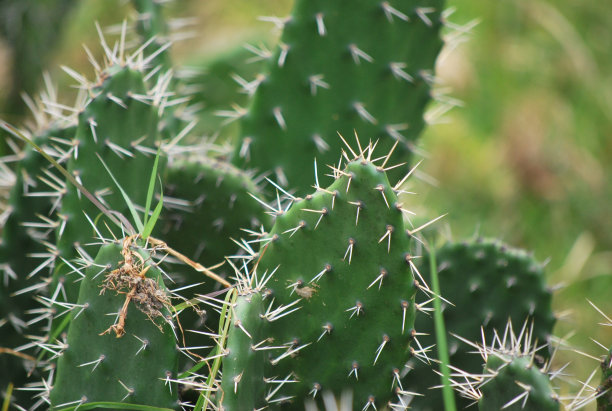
129 279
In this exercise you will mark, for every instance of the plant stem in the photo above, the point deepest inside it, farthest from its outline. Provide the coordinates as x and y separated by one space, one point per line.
7 399
447 391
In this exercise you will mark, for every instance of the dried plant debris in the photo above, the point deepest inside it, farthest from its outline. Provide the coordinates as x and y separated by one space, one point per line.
130 279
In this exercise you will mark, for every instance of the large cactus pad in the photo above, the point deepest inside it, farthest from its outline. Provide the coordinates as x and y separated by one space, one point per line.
341 66
341 297
129 356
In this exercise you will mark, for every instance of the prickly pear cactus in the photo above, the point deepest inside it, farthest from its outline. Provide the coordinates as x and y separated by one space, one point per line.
209 203
604 391
341 292
331 75
129 357
488 282
511 378
24 233
514 382
152 27
243 383
118 126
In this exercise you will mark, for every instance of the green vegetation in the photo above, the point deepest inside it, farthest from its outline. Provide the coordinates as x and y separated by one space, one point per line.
285 265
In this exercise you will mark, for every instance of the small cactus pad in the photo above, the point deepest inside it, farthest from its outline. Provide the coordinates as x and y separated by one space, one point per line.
243 384
209 203
604 391
512 379
341 66
516 383
341 292
488 282
129 356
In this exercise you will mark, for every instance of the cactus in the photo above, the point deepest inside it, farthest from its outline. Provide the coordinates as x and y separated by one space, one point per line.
488 282
511 380
340 288
330 75
130 357
118 126
326 307
24 234
243 384
207 207
213 205
516 384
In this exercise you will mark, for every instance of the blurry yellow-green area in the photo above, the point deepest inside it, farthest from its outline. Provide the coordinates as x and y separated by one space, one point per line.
527 157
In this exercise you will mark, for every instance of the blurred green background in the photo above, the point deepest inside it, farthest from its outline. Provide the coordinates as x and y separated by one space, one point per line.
527 156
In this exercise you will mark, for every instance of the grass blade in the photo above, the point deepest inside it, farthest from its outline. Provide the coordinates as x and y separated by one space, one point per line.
151 190
224 324
447 392
150 224
7 398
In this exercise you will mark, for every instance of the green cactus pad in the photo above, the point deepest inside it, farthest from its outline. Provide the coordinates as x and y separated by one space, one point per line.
516 384
213 205
341 66
99 366
151 26
342 294
604 391
243 384
119 126
488 282
22 241
207 205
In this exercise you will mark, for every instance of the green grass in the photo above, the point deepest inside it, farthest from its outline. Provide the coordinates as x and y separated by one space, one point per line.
442 347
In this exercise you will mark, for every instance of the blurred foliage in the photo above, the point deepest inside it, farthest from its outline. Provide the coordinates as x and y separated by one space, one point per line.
30 30
528 157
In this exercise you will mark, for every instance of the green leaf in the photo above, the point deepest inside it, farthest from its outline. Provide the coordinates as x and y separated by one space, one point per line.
149 225
447 392
127 199
224 323
7 398
151 190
